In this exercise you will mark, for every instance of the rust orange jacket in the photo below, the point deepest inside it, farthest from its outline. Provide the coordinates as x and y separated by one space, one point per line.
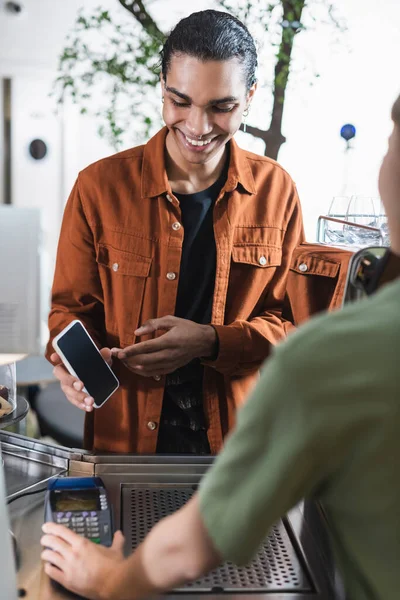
116 253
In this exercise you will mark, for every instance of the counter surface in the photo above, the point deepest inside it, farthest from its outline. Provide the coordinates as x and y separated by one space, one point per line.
294 563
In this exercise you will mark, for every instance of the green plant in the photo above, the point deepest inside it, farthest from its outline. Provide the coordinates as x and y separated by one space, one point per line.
116 64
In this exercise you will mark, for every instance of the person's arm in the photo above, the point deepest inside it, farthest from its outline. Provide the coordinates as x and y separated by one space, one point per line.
244 345
177 550
76 291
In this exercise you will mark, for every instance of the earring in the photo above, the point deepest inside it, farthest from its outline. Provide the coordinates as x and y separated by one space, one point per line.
245 115
162 99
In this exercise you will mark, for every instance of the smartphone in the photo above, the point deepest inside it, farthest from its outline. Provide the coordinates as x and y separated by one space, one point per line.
83 360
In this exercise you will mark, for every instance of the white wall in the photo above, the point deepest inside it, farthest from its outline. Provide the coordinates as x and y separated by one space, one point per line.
359 83
30 44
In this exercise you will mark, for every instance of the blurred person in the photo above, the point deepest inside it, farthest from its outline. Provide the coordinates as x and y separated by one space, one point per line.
323 422
175 255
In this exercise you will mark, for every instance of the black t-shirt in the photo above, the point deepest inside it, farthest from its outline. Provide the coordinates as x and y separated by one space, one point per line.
182 424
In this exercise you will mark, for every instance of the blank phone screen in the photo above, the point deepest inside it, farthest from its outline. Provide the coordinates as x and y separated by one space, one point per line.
87 363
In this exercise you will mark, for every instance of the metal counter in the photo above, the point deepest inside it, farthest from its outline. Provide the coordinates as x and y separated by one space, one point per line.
293 563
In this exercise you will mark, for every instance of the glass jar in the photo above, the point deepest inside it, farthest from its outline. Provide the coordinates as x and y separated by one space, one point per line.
8 389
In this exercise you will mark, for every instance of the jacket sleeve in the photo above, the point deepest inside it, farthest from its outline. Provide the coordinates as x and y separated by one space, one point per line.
244 345
77 291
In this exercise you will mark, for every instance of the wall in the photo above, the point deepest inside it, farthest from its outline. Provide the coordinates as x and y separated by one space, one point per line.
30 44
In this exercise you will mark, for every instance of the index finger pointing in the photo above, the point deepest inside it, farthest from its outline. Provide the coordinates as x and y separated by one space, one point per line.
143 348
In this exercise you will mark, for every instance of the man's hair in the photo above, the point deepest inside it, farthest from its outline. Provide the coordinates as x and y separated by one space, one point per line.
212 35
396 112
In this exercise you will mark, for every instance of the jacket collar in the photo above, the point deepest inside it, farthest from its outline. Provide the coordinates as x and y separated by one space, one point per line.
239 170
154 175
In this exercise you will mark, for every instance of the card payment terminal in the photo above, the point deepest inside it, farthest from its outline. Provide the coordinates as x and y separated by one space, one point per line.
81 504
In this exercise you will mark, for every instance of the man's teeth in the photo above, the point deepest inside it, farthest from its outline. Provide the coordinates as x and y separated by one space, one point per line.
198 142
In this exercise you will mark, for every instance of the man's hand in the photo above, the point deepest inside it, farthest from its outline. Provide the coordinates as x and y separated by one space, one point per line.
183 341
77 563
71 386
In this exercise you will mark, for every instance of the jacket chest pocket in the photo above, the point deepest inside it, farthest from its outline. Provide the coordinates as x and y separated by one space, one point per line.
259 247
252 269
123 276
257 256
314 284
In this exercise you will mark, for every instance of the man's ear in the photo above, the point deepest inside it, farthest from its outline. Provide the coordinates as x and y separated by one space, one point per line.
251 93
162 81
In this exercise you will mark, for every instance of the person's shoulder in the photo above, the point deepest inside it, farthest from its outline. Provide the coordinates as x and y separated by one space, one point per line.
112 162
265 163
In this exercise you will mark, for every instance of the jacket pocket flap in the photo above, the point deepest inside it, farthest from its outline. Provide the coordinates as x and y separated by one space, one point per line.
123 263
259 256
307 264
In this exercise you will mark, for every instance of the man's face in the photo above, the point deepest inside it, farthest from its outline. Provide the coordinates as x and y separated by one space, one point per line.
203 107
389 179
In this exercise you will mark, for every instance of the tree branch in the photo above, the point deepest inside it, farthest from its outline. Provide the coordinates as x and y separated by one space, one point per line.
138 10
269 137
292 11
259 133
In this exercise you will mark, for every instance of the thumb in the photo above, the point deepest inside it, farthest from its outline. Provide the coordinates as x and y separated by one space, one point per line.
55 359
118 541
106 354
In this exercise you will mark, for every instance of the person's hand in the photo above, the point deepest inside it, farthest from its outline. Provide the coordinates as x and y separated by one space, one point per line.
78 564
183 341
71 386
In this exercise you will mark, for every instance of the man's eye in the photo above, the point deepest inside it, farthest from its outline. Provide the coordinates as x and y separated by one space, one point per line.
220 109
181 104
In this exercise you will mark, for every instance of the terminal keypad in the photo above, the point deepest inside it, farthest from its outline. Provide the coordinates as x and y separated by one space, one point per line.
83 523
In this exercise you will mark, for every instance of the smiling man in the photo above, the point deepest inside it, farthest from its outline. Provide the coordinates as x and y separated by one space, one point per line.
175 256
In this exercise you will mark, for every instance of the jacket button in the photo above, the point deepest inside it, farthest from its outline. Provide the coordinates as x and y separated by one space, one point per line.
171 276
262 260
151 425
303 267
176 226
157 377
115 267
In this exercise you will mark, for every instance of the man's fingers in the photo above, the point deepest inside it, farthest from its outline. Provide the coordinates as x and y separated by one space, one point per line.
54 529
61 373
55 543
55 359
154 359
154 371
79 399
107 355
54 573
150 326
50 556
147 347
73 389
118 541
153 325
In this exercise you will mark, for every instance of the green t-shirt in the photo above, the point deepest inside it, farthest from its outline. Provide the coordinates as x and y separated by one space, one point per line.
324 421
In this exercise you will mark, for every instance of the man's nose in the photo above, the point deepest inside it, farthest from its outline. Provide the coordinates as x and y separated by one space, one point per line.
198 122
